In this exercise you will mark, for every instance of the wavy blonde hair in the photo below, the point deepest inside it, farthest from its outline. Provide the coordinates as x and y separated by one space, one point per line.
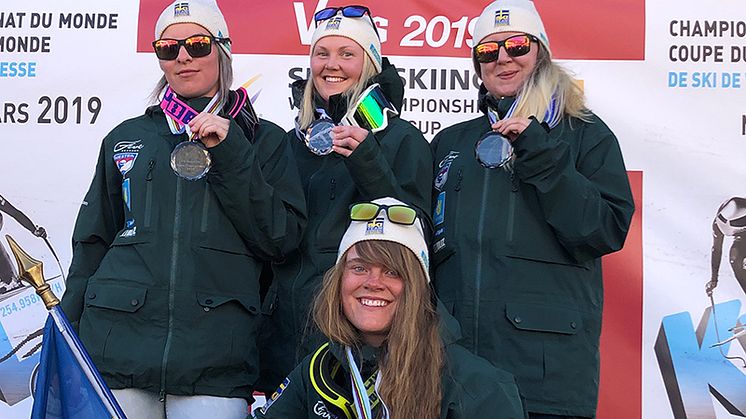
306 114
412 358
548 78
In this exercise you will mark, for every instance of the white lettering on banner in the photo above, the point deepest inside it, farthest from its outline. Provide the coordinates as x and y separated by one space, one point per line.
305 30
438 25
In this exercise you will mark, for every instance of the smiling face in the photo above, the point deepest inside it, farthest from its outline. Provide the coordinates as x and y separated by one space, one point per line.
506 76
370 297
336 65
188 76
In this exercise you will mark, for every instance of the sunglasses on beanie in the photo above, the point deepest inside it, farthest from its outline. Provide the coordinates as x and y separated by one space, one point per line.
196 46
399 214
515 46
347 11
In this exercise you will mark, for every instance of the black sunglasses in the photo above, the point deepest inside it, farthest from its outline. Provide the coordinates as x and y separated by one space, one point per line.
515 46
347 11
196 46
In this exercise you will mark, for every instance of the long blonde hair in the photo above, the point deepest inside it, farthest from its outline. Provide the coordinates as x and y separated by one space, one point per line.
547 79
412 360
306 114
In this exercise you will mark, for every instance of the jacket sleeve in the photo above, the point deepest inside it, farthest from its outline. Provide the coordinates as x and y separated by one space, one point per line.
398 165
258 186
583 191
100 217
289 401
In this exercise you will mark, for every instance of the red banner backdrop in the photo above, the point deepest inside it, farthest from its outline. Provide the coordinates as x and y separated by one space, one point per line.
578 29
621 335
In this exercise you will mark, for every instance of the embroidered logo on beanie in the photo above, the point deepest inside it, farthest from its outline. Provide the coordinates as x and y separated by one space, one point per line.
181 9
502 18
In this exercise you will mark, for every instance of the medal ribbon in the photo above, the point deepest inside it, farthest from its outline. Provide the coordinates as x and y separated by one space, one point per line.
179 113
552 116
360 392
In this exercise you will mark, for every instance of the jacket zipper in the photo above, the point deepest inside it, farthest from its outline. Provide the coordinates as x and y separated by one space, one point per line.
205 208
293 288
149 192
480 251
171 286
511 207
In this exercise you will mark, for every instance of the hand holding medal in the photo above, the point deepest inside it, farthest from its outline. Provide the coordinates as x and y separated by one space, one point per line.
209 128
190 159
371 112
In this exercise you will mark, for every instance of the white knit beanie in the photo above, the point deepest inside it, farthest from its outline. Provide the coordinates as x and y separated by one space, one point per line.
511 16
359 29
380 228
205 13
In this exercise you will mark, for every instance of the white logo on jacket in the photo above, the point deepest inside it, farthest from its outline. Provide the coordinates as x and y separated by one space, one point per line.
320 409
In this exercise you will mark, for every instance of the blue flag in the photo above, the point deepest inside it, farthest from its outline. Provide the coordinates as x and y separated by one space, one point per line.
68 385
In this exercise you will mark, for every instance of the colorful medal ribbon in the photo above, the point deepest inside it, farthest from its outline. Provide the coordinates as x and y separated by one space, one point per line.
179 113
360 393
552 116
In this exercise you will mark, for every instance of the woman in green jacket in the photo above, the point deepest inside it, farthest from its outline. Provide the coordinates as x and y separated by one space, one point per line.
527 198
362 162
168 248
385 356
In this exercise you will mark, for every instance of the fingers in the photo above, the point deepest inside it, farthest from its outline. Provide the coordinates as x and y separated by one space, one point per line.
511 127
347 139
209 128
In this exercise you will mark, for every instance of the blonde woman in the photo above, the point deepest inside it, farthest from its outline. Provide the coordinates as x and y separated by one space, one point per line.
386 356
527 198
167 256
352 160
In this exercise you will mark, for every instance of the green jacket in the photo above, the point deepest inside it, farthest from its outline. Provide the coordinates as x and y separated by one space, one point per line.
165 284
395 162
471 387
526 248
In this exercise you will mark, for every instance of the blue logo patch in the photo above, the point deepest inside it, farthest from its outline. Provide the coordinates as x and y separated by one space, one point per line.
276 395
181 9
439 214
502 18
375 226
423 255
333 23
375 53
126 194
445 166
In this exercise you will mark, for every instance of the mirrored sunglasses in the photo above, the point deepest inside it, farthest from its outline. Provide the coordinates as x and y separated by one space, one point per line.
196 46
399 214
515 46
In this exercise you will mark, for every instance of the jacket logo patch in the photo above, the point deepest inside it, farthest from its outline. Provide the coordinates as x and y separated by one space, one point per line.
439 213
276 395
321 411
125 161
128 146
445 166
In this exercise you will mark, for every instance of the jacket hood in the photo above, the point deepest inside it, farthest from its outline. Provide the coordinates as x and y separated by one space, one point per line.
388 78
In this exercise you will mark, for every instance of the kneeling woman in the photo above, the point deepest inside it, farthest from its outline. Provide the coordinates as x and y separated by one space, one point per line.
386 356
